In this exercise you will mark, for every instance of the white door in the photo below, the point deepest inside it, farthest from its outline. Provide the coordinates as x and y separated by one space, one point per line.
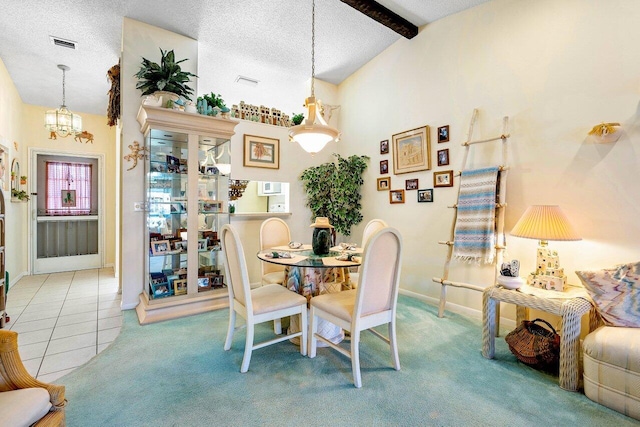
66 205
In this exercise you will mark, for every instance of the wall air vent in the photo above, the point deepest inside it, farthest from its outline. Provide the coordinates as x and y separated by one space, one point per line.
57 41
247 81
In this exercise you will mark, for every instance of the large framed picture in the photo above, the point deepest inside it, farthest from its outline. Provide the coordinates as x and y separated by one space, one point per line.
411 151
260 152
443 179
396 196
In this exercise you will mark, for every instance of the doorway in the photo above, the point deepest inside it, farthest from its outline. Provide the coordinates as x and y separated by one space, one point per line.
66 212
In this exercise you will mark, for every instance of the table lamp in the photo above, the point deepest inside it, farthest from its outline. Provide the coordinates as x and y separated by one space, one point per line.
544 223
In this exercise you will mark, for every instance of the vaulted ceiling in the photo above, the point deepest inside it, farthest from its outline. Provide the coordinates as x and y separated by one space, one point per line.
256 38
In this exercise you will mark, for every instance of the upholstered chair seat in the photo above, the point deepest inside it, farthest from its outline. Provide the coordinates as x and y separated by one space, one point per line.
25 401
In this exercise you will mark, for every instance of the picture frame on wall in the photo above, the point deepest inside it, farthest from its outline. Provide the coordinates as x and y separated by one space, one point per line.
4 166
384 147
384 167
443 157
443 179
384 183
396 196
443 134
68 198
411 184
261 152
425 195
411 151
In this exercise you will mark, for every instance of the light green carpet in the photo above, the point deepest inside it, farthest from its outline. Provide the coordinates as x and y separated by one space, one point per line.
177 374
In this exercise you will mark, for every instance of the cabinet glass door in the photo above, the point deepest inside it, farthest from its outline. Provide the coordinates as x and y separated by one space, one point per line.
213 205
167 190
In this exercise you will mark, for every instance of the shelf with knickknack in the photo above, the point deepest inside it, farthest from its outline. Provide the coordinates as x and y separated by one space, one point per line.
186 199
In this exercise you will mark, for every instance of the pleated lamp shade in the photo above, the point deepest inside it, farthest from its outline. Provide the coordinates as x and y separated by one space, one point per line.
544 222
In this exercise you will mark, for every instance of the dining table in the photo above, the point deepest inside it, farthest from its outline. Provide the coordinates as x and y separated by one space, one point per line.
309 275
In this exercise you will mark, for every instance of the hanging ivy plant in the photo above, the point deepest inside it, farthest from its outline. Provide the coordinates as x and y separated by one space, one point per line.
333 191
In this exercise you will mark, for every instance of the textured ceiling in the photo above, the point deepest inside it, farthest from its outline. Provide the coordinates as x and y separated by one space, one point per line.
262 39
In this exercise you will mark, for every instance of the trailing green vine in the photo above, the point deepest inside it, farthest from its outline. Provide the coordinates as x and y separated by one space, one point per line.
333 191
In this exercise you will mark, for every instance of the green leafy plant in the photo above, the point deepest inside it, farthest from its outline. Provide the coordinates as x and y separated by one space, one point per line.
214 100
333 191
297 119
19 194
166 76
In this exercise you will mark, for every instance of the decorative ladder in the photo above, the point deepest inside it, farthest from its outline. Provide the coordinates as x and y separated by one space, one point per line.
500 208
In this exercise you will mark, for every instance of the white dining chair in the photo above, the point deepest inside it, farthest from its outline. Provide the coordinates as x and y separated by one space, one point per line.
273 232
373 303
259 305
369 230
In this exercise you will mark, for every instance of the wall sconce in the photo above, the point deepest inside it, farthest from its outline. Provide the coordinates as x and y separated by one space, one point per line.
605 132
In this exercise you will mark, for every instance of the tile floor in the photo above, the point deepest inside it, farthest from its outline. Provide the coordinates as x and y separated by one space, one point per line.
63 319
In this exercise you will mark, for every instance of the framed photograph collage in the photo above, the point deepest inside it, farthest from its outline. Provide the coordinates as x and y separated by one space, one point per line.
411 152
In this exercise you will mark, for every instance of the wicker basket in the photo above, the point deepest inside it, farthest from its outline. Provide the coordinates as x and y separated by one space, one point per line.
535 345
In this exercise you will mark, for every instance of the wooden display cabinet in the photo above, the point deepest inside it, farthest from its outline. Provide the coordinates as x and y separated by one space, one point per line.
186 205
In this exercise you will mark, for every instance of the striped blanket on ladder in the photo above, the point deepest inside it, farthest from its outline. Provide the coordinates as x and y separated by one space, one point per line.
474 234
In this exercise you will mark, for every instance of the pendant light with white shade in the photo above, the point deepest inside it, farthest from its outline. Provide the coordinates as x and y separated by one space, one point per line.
314 133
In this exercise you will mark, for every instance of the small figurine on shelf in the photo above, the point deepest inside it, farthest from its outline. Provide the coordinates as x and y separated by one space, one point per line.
509 275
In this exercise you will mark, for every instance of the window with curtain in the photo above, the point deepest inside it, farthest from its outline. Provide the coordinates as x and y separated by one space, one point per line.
68 188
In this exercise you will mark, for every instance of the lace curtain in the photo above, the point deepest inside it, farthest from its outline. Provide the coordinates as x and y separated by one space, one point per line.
68 188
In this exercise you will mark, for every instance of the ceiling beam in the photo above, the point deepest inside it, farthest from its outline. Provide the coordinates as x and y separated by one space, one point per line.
386 17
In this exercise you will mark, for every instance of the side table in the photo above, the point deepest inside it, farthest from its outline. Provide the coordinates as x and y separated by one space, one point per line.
570 310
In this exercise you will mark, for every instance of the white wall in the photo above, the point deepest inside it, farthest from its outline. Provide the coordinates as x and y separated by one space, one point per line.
140 40
293 160
12 131
557 68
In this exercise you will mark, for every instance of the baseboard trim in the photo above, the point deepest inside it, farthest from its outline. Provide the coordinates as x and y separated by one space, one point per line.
456 308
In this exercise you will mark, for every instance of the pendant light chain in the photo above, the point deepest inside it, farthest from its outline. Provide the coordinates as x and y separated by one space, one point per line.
64 103
313 45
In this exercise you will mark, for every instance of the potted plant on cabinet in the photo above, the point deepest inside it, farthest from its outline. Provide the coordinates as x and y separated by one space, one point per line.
296 119
211 105
164 77
23 180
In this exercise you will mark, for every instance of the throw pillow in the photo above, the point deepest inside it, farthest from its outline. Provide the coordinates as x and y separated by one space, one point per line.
616 293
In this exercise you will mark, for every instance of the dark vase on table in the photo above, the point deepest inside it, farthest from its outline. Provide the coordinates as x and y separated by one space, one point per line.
321 241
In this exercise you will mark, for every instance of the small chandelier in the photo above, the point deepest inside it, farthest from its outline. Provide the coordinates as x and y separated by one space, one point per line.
314 133
62 122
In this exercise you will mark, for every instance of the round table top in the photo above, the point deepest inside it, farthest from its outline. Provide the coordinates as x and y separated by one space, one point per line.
304 257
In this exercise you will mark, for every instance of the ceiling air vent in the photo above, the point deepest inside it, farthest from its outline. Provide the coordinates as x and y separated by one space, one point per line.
57 41
247 81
